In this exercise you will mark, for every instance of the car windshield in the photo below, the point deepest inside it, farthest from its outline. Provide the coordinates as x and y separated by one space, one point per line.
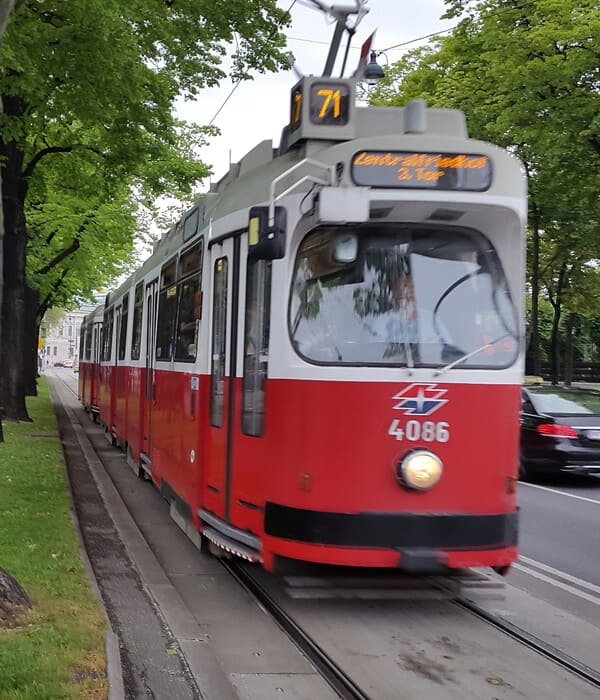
401 295
557 402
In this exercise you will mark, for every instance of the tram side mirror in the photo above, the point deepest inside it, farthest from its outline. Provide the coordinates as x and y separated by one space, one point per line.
266 242
345 248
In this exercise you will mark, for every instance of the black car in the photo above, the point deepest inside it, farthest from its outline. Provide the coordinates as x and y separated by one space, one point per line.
560 431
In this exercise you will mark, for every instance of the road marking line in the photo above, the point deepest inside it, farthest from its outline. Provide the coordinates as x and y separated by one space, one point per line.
560 574
561 493
558 584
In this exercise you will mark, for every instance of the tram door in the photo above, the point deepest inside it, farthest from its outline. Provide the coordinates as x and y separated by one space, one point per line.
95 378
224 260
149 384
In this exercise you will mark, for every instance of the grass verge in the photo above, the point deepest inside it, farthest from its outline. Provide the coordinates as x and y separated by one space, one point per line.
58 649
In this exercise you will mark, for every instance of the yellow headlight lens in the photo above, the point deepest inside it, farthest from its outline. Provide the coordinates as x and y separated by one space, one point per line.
421 470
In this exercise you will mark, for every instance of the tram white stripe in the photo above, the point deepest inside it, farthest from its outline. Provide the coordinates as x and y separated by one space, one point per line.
558 584
560 574
560 493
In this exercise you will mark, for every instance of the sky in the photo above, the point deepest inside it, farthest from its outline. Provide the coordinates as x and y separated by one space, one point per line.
258 109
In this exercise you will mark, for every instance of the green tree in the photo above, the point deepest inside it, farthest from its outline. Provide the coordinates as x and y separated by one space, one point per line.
526 75
97 81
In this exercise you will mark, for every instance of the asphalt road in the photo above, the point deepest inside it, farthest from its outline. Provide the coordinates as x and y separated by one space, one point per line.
560 526
559 543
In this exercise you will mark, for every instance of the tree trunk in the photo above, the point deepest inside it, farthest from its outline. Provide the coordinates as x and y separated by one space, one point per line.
569 353
3 20
536 358
13 600
12 350
555 337
6 7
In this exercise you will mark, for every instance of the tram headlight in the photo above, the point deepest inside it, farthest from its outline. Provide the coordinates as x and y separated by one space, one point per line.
420 470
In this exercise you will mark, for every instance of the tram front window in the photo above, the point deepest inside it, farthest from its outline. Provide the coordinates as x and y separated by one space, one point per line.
414 296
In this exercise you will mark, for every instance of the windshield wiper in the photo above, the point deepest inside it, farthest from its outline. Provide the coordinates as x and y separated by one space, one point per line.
408 354
470 354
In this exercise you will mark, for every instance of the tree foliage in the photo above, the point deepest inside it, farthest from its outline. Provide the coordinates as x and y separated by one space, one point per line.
527 76
89 130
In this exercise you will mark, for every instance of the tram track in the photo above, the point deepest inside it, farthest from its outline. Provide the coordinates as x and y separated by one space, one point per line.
334 674
532 642
346 687
337 678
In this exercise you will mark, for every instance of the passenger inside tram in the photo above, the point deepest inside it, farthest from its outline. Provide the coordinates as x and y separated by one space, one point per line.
405 324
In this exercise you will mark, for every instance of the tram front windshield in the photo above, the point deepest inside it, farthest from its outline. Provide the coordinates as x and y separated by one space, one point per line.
401 295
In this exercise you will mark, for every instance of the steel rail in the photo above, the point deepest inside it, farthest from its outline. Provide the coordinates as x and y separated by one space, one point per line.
341 683
534 643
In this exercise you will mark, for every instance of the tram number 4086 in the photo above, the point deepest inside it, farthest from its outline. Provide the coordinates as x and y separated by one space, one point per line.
414 430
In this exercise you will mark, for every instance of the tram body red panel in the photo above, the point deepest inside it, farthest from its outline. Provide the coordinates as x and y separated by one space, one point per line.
175 414
84 383
215 459
106 394
313 457
319 458
250 474
135 394
95 386
121 373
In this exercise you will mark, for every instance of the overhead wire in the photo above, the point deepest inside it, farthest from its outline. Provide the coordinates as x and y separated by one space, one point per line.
235 87
389 48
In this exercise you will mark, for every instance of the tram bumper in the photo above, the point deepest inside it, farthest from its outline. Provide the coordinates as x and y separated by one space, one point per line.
421 542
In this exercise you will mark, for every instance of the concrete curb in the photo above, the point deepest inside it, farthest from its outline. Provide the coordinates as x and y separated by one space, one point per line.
116 688
114 673
210 678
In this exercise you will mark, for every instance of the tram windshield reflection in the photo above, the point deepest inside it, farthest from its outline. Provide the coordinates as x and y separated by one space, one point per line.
414 296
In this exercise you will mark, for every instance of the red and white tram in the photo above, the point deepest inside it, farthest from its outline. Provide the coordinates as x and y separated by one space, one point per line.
322 360
89 360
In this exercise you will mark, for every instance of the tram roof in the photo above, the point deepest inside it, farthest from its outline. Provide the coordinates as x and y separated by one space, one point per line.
383 129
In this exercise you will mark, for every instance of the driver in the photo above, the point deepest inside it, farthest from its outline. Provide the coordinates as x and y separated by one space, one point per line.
405 322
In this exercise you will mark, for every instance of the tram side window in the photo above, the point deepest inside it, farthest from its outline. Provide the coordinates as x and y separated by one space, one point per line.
88 343
219 339
188 317
123 326
81 342
189 304
167 308
190 225
107 334
136 339
256 346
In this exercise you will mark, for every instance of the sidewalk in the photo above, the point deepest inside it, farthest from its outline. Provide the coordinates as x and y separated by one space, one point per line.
159 652
586 385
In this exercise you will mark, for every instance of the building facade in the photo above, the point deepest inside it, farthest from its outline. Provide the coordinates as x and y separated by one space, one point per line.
59 342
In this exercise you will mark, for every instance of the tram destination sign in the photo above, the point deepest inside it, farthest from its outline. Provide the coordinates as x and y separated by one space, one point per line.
422 170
